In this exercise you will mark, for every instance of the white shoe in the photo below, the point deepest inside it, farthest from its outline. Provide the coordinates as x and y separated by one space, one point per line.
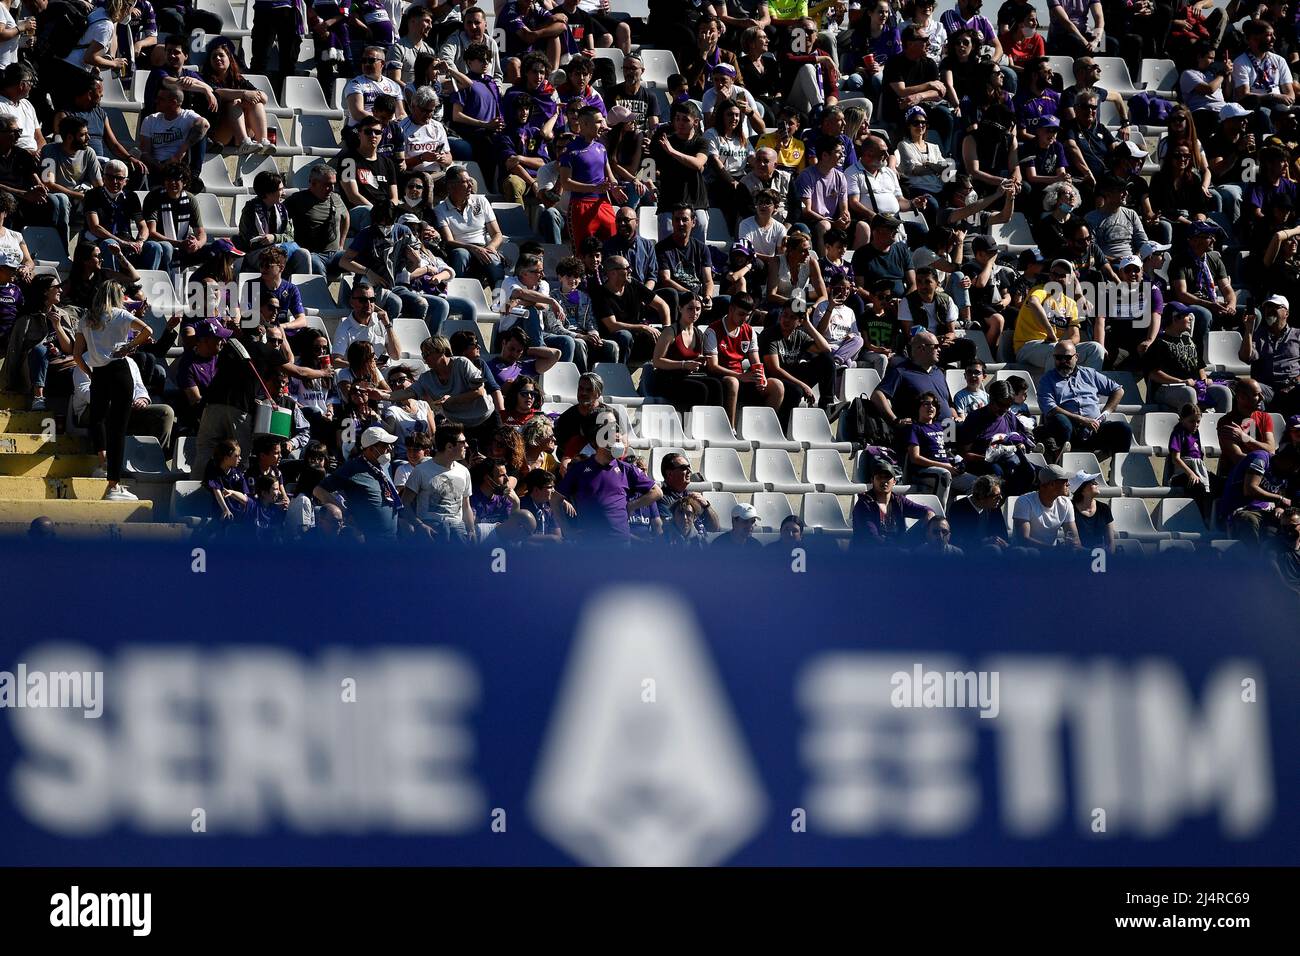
100 472
119 494
249 147
266 147
38 404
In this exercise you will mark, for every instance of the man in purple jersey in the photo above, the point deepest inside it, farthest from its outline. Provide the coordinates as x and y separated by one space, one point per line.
585 172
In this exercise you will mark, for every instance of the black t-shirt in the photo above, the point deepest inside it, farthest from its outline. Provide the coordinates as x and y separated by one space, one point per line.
894 263
18 168
1092 530
234 383
625 307
899 69
679 183
642 104
685 264
117 217
372 176
1173 356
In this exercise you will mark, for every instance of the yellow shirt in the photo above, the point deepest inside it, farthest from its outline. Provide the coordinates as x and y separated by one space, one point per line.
1062 312
791 157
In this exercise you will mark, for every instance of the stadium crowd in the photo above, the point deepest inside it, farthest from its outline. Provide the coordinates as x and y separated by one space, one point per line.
764 205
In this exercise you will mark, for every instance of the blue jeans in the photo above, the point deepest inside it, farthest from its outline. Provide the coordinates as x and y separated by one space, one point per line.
565 343
322 264
442 307
38 364
460 149
401 302
1230 198
152 255
61 215
550 225
467 265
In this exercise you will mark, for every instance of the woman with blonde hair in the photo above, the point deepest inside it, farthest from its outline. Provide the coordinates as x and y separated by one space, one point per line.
106 335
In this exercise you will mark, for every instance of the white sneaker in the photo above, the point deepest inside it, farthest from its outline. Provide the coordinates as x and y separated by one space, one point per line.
266 147
38 404
249 146
119 494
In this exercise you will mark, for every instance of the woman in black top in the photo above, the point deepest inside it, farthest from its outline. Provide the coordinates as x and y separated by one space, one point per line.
240 117
679 360
88 272
1093 518
760 74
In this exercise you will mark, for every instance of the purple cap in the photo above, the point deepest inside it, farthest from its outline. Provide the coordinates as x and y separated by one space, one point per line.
726 69
743 246
207 329
226 246
1045 122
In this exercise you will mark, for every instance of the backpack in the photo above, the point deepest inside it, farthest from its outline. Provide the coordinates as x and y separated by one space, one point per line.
863 425
1147 109
61 34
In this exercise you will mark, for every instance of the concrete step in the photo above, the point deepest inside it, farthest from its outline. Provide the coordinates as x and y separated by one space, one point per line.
15 488
44 464
157 531
13 443
13 420
73 511
13 400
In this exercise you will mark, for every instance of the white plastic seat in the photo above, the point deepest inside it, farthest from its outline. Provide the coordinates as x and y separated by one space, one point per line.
1159 76
659 65
1135 476
1209 433
982 350
1225 544
247 168
774 470
1156 429
316 136
810 427
318 300
773 508
1132 520
859 381
159 291
300 168
1014 235
560 383
1176 544
190 499
183 459
1222 353
472 289
45 245
759 424
263 85
720 501
1182 518
1086 461
1115 75
661 425
514 222
708 425
1131 403
823 513
824 468
305 97
410 333
1032 400
1132 548
215 221
144 456
956 378
216 178
451 326
556 408
648 223
232 25
618 384
116 98
723 469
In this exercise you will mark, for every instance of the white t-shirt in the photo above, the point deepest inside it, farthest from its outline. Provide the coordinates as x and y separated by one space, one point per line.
369 89
1191 79
439 492
1268 74
765 240
350 330
430 138
102 342
883 186
733 153
170 138
99 29
11 241
508 285
738 94
1043 522
25 114
928 319
8 48
843 323
469 226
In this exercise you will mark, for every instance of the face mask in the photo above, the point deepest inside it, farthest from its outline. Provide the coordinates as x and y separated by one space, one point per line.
413 200
385 460
1066 208
1271 319
618 450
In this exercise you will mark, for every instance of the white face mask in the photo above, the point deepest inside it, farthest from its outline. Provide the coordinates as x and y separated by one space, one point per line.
413 200
1271 318
385 460
618 450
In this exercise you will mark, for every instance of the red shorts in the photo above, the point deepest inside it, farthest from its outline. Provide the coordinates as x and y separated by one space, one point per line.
590 216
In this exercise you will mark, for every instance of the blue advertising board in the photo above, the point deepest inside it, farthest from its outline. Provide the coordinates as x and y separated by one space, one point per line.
163 707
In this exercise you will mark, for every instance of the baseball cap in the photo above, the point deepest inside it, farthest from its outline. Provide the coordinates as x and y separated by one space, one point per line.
1077 480
617 115
1280 301
1150 248
1134 150
888 220
984 244
1293 422
1033 254
1049 473
1045 122
743 246
744 512
207 329
1177 308
801 227
1204 227
228 247
1065 264
1129 261
883 468
375 434
1233 111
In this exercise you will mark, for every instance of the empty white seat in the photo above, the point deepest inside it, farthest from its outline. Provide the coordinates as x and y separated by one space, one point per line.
215 221
773 508
216 178
774 470
859 381
659 65
472 290
1180 544
618 384
661 425
721 502
823 513
560 383
304 95
759 424
1131 547
513 220
1222 353
648 223
810 427
1182 518
1015 235
263 85
410 333
556 408
722 468
1131 403
1156 428
316 136
451 326
1114 75
45 245
824 468
708 425
1209 433
1136 477
318 300
1159 76
1132 520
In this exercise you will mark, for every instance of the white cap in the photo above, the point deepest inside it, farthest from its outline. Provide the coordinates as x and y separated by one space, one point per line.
1234 111
1128 261
1280 301
375 434
1134 150
1150 248
1081 478
744 512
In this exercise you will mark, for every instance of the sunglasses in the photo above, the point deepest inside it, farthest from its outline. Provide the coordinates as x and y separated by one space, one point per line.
363 298
371 131
527 394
